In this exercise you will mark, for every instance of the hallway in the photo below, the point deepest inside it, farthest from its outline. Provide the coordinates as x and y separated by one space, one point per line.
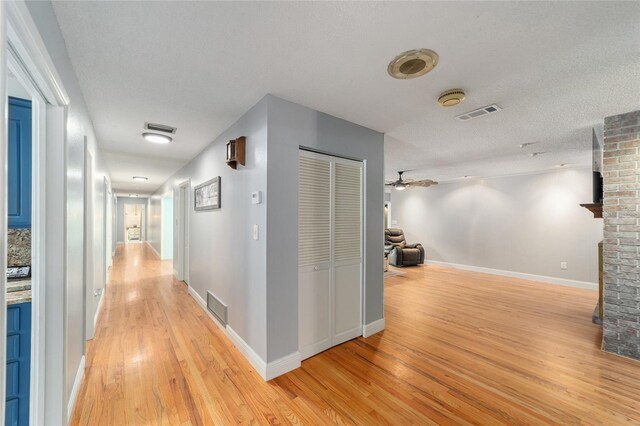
498 353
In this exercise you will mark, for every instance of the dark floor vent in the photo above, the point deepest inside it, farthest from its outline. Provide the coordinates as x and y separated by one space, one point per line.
217 308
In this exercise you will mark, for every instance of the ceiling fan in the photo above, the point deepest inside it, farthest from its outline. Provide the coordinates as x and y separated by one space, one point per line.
401 184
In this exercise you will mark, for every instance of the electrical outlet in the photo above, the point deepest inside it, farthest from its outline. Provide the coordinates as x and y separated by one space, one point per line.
563 265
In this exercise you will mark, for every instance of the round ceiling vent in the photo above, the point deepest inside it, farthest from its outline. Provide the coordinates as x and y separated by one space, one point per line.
413 63
451 98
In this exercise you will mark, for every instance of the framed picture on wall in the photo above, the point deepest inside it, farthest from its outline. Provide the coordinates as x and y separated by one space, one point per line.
207 195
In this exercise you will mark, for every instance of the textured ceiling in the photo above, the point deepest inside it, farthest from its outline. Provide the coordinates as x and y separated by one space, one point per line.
557 68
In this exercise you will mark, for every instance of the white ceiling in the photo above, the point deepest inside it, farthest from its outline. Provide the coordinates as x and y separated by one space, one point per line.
557 68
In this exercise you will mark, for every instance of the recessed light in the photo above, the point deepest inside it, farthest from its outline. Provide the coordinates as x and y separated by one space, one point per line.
412 64
156 138
140 178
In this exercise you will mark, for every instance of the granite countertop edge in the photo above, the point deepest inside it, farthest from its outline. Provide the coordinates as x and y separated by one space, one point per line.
18 291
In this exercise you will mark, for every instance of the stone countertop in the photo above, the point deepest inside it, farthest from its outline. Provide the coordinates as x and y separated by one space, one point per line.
18 291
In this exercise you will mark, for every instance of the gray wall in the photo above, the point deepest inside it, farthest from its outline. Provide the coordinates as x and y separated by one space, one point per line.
224 258
527 224
60 381
120 203
292 126
259 279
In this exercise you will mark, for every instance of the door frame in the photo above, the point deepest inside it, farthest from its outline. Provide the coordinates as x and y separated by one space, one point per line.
333 158
30 62
181 219
89 270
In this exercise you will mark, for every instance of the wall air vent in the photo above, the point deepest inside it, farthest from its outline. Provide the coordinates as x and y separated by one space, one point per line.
217 308
489 109
160 128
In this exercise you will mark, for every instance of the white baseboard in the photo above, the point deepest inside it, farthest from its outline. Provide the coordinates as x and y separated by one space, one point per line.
254 359
99 308
373 328
152 249
283 365
521 275
76 388
266 371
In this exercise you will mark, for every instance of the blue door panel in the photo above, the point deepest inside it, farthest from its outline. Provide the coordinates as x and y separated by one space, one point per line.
13 347
18 359
19 163
12 410
13 320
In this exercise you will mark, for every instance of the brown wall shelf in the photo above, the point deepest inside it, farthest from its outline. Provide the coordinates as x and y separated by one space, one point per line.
595 208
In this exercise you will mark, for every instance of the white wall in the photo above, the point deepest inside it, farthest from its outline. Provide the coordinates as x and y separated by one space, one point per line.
527 223
59 381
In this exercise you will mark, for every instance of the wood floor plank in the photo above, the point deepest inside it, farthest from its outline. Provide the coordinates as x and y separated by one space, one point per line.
459 348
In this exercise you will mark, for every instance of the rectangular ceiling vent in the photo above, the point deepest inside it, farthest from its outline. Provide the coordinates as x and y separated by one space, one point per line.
489 109
159 128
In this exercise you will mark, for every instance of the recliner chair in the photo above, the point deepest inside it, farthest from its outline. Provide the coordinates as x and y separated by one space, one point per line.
399 252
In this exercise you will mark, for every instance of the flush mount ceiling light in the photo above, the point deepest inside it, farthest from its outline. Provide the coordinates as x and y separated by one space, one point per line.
412 63
133 195
140 178
535 154
156 138
451 97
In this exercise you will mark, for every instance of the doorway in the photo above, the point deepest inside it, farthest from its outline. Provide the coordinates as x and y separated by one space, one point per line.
166 229
182 208
330 261
133 223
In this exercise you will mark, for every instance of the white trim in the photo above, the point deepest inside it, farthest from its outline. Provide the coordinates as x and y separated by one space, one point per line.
4 139
152 249
254 359
98 309
25 39
373 328
282 366
521 275
76 387
266 371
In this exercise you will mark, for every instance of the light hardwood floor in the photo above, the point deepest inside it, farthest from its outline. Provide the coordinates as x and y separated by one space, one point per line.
459 348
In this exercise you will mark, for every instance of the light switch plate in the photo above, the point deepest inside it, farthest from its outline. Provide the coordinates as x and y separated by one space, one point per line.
255 232
256 197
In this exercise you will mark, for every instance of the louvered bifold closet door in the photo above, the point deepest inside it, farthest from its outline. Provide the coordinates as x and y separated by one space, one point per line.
347 252
314 253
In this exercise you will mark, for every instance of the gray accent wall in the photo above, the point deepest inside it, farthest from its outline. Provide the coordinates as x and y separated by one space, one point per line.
292 126
258 280
224 258
525 224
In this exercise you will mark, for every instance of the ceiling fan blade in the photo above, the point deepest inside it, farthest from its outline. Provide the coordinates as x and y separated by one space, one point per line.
425 183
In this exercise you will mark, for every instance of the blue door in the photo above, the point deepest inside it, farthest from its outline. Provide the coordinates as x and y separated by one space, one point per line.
19 161
18 364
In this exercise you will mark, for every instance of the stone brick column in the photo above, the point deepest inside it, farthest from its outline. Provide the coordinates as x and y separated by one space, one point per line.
621 174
